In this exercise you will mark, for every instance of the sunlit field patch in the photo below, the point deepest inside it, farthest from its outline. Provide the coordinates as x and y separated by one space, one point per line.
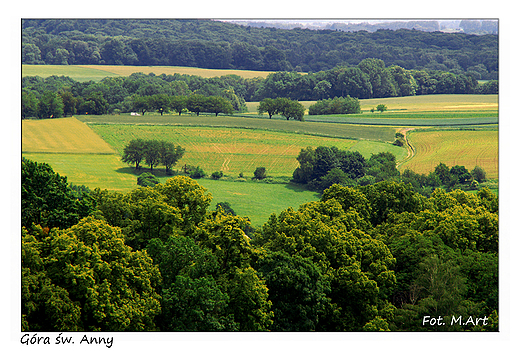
455 147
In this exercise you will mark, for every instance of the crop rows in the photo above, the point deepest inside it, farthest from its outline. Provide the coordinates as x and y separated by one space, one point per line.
230 150
455 147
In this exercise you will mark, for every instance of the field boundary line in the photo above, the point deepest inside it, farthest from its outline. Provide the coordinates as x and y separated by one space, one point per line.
410 148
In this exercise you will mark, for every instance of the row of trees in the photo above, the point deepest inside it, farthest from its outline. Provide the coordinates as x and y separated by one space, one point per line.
195 103
365 258
59 104
321 167
370 79
213 44
153 153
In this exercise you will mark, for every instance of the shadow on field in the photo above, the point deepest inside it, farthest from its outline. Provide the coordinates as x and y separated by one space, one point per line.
296 187
159 173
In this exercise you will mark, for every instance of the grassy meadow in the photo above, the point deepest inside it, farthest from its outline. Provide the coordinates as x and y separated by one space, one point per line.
85 73
91 170
257 201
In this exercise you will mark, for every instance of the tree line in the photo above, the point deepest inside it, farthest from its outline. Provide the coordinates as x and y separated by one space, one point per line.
321 167
214 44
363 258
59 96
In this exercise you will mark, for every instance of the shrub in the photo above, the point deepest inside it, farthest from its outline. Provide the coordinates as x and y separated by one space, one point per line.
338 105
398 142
217 175
381 108
260 173
478 174
147 179
195 172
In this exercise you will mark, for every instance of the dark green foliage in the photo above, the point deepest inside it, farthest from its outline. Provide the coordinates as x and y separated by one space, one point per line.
153 152
147 179
381 108
278 92
387 198
377 257
214 44
298 289
193 300
282 106
317 164
47 198
85 278
194 172
134 152
260 173
50 105
461 174
217 175
337 105
478 174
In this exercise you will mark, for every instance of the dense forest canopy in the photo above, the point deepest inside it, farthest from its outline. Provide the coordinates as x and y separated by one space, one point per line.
213 44
363 258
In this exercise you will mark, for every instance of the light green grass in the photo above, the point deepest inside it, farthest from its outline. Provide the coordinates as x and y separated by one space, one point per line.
61 135
257 200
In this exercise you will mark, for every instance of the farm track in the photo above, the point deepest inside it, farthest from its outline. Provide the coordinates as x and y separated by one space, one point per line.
409 147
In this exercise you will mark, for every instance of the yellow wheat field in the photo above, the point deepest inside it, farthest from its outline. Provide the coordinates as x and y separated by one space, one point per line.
61 135
457 147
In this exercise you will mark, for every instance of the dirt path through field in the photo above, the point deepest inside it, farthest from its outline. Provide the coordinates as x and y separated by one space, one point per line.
409 147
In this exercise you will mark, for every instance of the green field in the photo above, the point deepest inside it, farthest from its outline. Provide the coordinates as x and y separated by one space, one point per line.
85 73
412 119
92 170
257 200
434 103
87 149
341 131
234 150
91 156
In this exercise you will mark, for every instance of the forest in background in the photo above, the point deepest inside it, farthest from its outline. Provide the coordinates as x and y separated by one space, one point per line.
213 44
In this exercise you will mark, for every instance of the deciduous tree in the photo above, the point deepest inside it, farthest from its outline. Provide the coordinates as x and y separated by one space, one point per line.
87 280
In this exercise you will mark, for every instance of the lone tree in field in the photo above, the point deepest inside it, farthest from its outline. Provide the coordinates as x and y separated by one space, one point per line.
381 108
260 173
